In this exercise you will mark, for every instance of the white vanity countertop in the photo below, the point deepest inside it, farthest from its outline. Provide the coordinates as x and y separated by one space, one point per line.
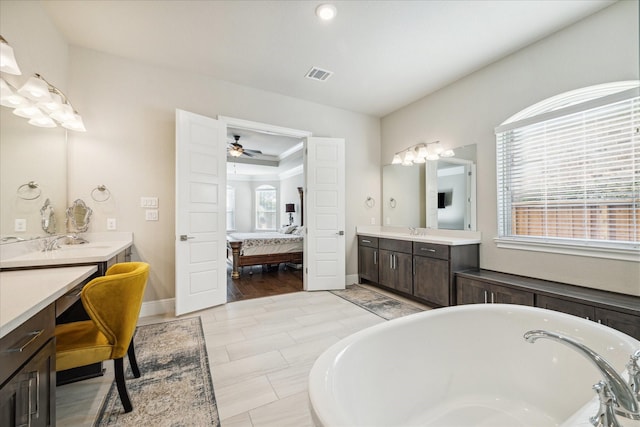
23 293
99 249
441 237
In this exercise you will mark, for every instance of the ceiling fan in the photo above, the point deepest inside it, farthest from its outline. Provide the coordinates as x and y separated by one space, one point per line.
236 150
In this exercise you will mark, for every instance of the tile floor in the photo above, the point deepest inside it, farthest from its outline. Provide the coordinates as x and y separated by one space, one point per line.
260 353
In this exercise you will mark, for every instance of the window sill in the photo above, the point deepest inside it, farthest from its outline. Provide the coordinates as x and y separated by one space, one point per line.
632 253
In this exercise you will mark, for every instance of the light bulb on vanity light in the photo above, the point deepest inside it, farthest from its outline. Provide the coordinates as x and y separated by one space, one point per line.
8 63
35 89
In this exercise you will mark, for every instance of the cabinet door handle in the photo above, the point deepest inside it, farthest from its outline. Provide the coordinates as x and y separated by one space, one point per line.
493 298
427 249
365 241
485 297
34 396
391 261
30 337
375 257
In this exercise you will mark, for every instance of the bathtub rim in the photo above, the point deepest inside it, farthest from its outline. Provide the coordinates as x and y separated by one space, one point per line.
332 416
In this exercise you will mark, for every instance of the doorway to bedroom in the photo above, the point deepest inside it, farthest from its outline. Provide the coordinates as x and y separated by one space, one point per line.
265 177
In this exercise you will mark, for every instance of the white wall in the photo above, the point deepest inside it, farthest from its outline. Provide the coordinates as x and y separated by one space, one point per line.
601 48
129 111
289 194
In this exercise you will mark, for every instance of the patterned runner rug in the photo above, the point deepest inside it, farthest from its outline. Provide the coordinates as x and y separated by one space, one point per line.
175 388
386 307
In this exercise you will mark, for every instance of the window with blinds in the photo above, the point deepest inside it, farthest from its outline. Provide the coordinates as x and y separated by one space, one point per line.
572 175
266 198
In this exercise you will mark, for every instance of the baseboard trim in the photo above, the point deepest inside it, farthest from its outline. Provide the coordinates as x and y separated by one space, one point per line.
350 279
154 308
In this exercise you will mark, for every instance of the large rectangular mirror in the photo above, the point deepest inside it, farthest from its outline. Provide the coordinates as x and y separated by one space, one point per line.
436 194
33 168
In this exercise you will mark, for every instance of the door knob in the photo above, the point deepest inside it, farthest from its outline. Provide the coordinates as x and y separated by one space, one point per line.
184 237
340 233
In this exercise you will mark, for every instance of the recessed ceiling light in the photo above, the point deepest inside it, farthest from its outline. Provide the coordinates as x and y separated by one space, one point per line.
326 12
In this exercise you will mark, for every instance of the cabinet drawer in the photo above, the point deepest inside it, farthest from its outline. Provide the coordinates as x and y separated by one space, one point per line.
23 342
396 245
371 242
68 299
431 250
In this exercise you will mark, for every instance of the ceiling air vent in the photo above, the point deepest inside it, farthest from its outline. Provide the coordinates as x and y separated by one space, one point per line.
316 73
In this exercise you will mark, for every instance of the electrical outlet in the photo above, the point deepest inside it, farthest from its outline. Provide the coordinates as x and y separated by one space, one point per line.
111 224
148 202
151 215
20 224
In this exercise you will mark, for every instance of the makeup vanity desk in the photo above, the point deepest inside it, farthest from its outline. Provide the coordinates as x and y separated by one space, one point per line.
37 291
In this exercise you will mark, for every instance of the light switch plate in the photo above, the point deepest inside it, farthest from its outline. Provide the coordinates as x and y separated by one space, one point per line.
111 224
151 215
148 202
20 224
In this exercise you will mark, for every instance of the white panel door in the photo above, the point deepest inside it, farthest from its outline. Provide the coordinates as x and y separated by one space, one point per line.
324 245
201 182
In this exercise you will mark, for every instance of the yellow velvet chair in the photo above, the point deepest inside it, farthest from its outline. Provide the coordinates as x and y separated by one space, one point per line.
113 303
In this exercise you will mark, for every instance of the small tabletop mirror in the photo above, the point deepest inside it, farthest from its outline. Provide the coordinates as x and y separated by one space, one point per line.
48 218
78 216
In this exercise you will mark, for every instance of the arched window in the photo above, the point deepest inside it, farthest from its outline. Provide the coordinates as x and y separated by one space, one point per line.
266 203
568 172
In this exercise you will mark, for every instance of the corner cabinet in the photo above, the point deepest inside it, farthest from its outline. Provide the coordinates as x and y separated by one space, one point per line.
415 269
618 311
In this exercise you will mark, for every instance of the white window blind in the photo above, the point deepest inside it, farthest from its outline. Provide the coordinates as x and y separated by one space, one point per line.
266 199
573 175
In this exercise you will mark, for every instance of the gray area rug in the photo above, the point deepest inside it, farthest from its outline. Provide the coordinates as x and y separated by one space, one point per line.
386 307
175 387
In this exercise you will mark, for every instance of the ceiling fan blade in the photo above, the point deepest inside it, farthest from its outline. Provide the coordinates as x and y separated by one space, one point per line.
252 151
246 153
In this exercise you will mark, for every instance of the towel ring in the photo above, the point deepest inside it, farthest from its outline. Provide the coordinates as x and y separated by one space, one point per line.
101 193
24 189
370 202
392 202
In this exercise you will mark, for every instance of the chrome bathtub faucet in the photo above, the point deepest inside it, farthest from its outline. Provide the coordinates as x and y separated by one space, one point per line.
616 396
633 368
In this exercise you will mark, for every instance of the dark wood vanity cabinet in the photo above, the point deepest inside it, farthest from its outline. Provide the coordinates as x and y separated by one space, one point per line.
434 268
431 273
368 259
420 270
625 322
470 291
618 311
395 267
27 373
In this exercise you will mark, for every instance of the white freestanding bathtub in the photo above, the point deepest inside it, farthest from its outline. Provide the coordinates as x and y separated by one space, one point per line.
465 366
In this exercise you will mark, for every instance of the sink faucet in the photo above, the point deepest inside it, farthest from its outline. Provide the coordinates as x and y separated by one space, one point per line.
616 396
54 243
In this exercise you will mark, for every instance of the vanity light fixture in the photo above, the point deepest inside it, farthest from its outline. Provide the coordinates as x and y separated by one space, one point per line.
326 12
420 153
8 63
42 103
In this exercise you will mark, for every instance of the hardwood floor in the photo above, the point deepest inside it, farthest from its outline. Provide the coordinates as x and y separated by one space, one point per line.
258 281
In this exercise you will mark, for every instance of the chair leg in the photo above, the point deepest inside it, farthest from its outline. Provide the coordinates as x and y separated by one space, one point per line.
132 360
122 387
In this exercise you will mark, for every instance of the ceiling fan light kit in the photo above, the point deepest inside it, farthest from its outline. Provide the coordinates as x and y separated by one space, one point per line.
236 149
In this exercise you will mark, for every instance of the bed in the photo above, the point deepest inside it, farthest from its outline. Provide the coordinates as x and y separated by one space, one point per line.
265 248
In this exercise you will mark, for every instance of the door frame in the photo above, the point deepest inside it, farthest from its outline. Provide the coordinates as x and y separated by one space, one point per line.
242 124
